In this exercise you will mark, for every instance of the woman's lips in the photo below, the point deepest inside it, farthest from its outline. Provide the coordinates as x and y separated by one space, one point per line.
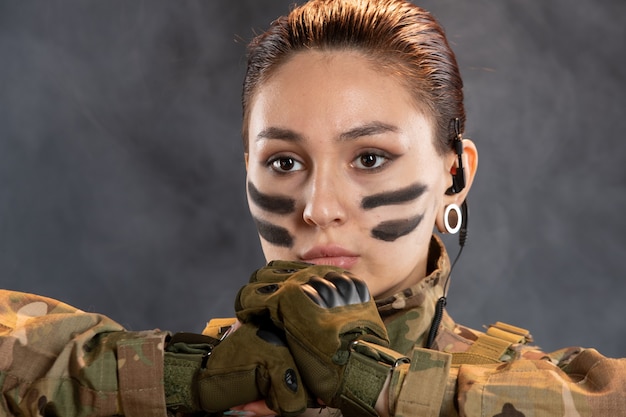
331 255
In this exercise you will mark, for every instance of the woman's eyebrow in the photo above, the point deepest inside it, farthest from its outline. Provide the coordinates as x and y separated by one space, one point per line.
368 129
279 133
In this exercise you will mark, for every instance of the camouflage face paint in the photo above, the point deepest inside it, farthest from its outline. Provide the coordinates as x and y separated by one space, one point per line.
403 195
274 234
394 229
271 203
391 230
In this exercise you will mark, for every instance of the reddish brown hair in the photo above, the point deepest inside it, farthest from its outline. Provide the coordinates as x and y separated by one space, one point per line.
396 35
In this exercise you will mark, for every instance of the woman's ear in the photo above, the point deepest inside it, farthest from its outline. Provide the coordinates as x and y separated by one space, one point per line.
245 158
470 165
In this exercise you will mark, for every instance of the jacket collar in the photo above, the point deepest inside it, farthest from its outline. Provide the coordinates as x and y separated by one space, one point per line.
408 314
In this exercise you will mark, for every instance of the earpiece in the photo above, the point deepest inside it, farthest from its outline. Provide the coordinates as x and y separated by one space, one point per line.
458 181
458 178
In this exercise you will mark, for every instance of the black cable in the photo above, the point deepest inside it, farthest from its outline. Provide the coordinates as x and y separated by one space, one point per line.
442 301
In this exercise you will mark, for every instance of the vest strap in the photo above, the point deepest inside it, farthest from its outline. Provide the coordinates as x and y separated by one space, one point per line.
490 346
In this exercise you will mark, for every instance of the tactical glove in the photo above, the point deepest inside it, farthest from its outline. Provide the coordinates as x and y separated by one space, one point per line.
332 326
252 363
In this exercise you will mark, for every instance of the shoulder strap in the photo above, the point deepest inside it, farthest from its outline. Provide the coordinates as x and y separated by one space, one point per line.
490 346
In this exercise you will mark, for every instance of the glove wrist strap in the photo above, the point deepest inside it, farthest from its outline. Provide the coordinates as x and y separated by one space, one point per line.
178 381
367 369
185 355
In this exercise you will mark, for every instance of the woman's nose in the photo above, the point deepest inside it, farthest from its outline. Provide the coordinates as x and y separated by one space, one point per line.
325 202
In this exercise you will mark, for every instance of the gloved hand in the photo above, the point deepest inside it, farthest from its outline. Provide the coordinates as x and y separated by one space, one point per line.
332 327
252 363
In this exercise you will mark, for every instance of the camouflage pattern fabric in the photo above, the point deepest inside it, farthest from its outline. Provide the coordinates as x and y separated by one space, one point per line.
523 382
56 360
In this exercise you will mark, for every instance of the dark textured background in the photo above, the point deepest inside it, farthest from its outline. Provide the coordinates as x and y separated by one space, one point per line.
121 171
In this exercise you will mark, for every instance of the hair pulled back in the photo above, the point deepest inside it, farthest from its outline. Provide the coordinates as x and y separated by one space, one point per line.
399 37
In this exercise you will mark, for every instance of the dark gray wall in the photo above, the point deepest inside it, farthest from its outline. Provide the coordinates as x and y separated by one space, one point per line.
121 175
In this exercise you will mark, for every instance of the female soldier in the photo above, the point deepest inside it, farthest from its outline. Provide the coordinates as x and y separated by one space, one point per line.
353 114
353 121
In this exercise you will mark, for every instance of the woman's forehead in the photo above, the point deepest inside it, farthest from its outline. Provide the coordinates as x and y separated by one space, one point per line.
337 90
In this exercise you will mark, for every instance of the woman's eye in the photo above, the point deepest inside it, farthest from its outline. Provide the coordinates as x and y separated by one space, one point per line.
369 161
285 164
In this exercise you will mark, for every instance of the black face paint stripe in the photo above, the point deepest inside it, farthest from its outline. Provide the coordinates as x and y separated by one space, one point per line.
400 196
275 235
272 203
394 229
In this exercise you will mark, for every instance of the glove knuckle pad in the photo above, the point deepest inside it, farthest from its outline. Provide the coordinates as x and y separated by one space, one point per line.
362 289
326 291
346 288
314 295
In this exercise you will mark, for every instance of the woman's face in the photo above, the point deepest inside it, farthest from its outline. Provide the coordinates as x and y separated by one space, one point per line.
342 170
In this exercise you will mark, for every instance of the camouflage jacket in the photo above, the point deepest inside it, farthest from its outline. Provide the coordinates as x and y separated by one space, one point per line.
494 373
57 360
